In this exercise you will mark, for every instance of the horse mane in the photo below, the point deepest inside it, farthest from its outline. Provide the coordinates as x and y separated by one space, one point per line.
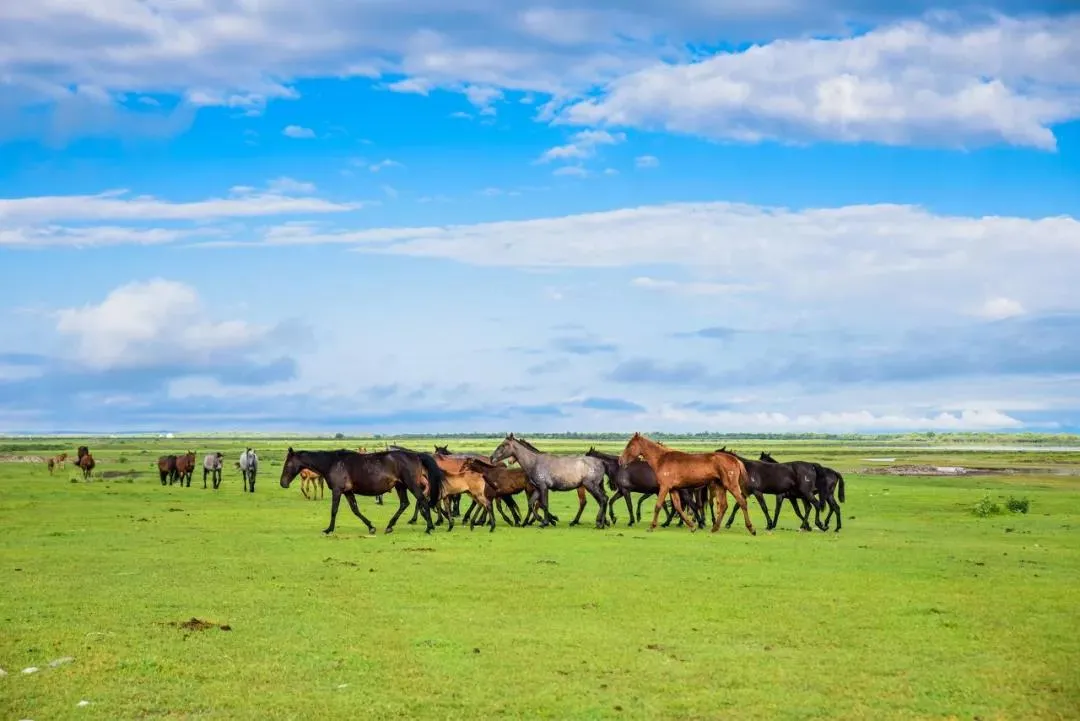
726 452
601 455
528 445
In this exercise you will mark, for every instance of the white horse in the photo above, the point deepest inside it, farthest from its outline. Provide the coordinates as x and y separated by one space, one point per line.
249 467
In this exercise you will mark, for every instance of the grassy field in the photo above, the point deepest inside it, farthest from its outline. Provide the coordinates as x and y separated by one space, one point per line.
918 609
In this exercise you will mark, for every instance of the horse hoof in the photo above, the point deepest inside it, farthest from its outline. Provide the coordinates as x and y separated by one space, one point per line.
371 531
327 532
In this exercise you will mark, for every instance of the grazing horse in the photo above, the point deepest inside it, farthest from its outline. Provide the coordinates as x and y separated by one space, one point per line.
826 485
348 473
185 467
776 479
549 473
249 468
211 466
309 479
676 469
59 461
82 451
86 463
167 469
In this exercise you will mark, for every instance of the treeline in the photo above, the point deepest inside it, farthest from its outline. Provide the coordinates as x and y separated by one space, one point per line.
929 437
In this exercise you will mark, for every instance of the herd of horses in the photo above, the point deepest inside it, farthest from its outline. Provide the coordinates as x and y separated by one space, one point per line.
687 486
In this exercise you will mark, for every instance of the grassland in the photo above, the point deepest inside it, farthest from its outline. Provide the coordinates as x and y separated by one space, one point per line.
918 609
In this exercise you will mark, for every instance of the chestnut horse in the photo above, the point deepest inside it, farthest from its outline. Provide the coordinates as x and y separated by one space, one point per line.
676 470
185 466
309 479
59 461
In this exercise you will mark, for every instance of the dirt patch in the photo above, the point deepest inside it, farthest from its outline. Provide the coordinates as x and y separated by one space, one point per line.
121 474
925 470
8 458
418 549
197 624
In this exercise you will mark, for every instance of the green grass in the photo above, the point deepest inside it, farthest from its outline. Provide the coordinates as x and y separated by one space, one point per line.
918 609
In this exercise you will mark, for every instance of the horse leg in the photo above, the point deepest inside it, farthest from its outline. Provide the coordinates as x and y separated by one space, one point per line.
660 498
333 512
742 505
356 510
468 512
542 503
720 497
512 505
641 500
596 490
204 478
403 503
581 505
776 510
834 507
416 514
677 502
764 509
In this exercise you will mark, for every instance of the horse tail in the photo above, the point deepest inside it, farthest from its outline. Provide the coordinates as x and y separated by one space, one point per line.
840 483
435 475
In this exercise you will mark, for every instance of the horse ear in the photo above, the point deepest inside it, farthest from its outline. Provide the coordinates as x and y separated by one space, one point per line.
290 452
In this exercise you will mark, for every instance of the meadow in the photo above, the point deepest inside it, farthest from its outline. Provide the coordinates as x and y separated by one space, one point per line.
919 608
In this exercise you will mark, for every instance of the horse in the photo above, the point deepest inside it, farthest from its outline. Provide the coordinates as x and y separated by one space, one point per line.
378 499
249 468
461 478
827 482
311 479
501 485
776 479
86 463
634 477
211 466
79 453
167 469
445 451
555 473
348 473
676 469
59 461
185 467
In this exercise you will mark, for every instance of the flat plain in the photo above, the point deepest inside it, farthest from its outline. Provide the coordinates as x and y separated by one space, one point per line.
918 608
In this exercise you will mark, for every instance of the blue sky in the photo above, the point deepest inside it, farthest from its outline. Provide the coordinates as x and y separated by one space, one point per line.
458 216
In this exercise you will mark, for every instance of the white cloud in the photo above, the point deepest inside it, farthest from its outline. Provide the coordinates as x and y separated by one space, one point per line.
97 236
911 83
152 322
843 421
646 161
297 131
383 164
1000 308
117 206
289 186
571 170
692 287
582 146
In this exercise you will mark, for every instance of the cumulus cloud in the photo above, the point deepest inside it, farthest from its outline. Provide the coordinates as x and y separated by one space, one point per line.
153 322
690 287
297 131
1000 308
837 422
290 186
646 161
916 82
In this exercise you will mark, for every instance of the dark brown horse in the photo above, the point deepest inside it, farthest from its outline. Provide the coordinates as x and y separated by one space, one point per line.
501 485
776 479
676 469
827 482
86 463
185 466
167 469
348 473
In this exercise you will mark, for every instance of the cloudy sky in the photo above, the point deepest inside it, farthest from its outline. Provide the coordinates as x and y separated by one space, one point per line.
792 215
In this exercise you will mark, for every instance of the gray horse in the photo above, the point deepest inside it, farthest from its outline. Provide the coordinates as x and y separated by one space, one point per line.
555 473
211 466
249 467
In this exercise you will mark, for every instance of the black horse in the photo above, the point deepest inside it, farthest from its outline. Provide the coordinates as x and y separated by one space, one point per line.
776 479
829 485
370 474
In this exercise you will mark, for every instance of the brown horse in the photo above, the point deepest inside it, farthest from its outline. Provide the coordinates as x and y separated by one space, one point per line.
463 479
59 461
167 469
676 469
185 466
86 463
501 485
310 479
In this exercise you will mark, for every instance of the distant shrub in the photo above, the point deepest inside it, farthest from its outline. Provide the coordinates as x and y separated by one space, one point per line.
1018 505
986 507
74 480
122 459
